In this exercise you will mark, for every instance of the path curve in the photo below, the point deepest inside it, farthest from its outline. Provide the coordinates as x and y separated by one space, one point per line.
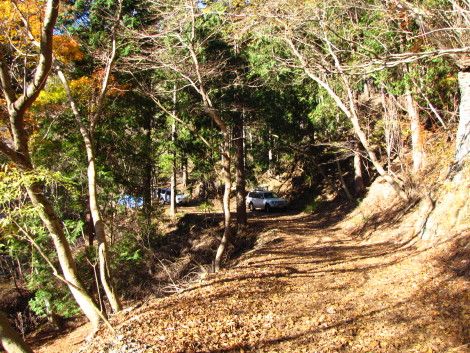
309 285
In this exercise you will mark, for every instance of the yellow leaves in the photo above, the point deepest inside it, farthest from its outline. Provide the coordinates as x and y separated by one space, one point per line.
83 86
21 24
20 20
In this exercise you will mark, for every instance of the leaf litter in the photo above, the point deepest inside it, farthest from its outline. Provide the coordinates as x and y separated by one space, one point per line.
315 287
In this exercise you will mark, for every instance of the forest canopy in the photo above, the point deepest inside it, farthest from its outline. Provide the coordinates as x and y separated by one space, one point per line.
103 102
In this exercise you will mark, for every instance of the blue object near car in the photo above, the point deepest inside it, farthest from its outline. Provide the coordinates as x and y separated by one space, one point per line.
131 201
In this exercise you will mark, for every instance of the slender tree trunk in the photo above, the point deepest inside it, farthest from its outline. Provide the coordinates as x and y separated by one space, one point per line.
184 176
227 179
351 112
99 227
359 186
226 202
198 85
462 147
11 340
103 252
147 192
64 254
173 167
343 182
373 158
52 316
88 138
240 177
173 188
89 229
416 134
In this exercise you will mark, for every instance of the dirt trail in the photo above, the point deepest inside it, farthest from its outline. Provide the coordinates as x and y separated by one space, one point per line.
307 286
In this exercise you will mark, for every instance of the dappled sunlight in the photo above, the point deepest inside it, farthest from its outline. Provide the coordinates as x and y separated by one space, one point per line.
307 282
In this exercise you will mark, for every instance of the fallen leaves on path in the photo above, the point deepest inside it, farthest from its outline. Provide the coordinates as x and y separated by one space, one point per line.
308 287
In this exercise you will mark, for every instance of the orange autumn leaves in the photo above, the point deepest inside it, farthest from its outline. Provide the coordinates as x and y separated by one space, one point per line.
20 31
20 27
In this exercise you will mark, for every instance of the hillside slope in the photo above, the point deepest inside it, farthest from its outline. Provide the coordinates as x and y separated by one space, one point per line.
386 277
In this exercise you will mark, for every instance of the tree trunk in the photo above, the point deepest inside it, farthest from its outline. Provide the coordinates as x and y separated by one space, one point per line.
240 177
227 179
11 340
147 192
351 113
343 182
184 176
359 187
103 252
64 254
462 147
226 202
416 134
173 188
225 150
88 138
52 316
89 229
173 167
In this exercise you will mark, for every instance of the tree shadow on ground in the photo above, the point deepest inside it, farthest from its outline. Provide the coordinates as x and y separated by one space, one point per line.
434 319
288 261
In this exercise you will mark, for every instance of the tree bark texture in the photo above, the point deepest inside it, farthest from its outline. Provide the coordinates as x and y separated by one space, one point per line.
173 162
103 252
11 340
226 201
184 172
417 133
343 182
148 167
100 232
462 147
359 186
240 176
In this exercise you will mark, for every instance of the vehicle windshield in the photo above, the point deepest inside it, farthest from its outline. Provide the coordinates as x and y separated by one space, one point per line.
270 195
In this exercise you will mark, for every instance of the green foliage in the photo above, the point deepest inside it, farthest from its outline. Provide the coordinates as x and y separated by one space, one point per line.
206 206
127 252
313 205
47 301
21 225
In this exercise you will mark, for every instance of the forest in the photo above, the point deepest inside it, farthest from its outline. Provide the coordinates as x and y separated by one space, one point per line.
357 113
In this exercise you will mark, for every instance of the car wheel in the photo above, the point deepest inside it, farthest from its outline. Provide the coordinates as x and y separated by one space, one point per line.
252 207
267 207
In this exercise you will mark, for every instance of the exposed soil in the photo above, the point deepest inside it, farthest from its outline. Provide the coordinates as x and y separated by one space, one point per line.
313 283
